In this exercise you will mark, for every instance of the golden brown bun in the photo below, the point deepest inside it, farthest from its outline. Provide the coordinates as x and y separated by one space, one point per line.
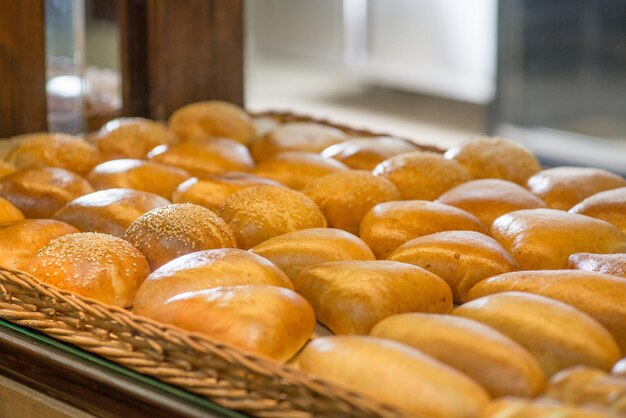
295 169
212 119
6 168
350 297
132 138
146 176
461 258
396 374
8 212
367 152
619 368
609 206
267 320
170 231
205 270
109 211
499 364
346 197
296 136
599 295
41 192
488 199
521 408
259 213
98 266
498 158
614 264
422 175
544 238
564 187
295 251
389 225
211 156
20 240
212 190
557 334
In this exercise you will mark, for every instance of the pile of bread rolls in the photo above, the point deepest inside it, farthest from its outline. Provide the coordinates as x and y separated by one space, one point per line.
465 284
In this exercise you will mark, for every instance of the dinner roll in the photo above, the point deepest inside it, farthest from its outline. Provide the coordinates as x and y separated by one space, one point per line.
367 152
563 187
421 174
499 364
109 211
614 264
609 206
461 258
488 199
350 297
6 168
498 158
544 238
8 212
522 408
40 192
259 213
294 251
394 373
267 320
389 225
98 266
206 270
346 197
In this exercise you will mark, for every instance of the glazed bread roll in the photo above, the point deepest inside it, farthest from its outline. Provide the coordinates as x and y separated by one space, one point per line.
267 320
488 199
395 374
389 225
350 297
294 251
6 168
614 264
8 212
564 187
557 334
422 175
212 119
498 158
499 364
296 136
461 258
599 295
609 206
544 238
346 197
521 408
109 211
167 232
295 169
98 266
367 152
146 176
41 192
205 270
259 213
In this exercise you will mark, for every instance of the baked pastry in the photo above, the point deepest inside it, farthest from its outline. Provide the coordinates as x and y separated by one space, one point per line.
544 238
259 213
461 258
98 266
389 225
8 212
619 368
365 153
609 206
346 197
6 168
542 408
614 264
421 174
350 297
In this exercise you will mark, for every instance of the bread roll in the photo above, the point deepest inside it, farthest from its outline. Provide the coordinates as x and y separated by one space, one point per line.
518 408
6 168
109 211
40 192
267 320
206 270
461 258
8 212
614 264
98 266
394 373
498 158
350 297
259 213
294 251
346 197
544 238
619 368
488 199
563 187
609 206
499 364
365 153
389 225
